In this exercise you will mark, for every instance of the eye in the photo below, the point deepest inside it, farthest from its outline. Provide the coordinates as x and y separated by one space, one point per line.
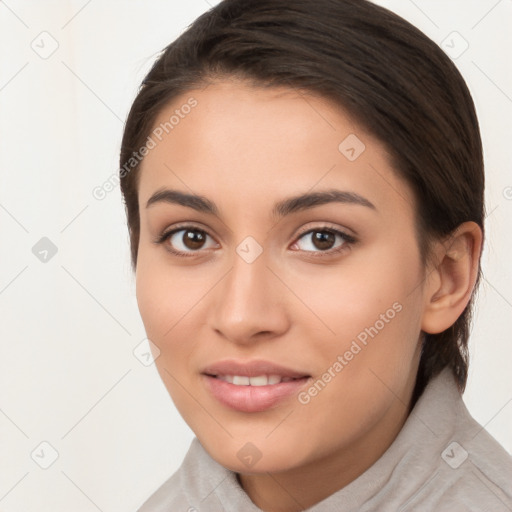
188 240
323 239
184 240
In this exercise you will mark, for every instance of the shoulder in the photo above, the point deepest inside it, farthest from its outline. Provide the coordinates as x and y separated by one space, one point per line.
169 494
473 473
468 479
173 493
193 486
486 476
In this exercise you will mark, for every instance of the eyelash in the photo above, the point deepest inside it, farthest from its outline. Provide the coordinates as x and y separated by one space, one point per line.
348 240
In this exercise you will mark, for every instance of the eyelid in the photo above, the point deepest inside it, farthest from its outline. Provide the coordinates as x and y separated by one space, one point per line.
183 225
326 226
167 233
348 240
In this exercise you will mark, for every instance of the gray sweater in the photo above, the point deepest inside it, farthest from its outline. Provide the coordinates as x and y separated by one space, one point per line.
442 460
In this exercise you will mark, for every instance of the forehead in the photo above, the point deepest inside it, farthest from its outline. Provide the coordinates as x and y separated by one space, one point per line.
254 143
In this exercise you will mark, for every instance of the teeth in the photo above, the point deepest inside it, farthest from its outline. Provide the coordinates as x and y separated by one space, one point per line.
260 380
274 379
241 381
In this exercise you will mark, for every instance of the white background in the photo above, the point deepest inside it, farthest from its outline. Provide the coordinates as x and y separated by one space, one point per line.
68 375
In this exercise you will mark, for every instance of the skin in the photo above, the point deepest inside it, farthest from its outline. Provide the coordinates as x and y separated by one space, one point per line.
244 149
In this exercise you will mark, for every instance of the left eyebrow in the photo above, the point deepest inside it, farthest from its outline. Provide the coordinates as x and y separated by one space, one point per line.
281 208
312 199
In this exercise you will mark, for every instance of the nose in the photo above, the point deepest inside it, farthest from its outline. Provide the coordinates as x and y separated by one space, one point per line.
250 303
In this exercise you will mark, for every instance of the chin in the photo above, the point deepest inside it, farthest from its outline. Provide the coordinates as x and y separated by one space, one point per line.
254 457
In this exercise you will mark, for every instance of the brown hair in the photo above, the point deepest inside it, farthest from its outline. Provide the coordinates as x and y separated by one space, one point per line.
388 75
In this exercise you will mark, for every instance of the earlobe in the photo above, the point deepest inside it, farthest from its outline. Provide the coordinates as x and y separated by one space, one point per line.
450 286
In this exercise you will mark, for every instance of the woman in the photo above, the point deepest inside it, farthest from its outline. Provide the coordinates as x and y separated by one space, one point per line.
304 190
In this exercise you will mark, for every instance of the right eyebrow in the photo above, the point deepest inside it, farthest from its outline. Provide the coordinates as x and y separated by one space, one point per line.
199 203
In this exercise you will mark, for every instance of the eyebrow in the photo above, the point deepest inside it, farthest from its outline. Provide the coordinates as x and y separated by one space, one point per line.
281 209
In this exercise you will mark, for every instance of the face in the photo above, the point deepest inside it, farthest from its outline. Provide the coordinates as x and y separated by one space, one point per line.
288 330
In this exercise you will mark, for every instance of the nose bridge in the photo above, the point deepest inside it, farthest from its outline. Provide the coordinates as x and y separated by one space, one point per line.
247 283
246 301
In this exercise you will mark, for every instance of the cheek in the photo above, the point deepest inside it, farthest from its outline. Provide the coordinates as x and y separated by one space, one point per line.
367 288
372 312
164 295
373 336
169 305
163 308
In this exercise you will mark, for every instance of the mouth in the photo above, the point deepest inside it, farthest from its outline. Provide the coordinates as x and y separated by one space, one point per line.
253 386
258 380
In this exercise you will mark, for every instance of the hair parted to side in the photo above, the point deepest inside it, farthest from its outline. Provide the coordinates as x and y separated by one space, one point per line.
389 76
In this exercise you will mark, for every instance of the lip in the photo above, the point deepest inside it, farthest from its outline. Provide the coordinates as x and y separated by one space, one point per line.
251 369
251 398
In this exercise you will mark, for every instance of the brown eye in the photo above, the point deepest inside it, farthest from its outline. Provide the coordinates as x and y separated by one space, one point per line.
193 239
321 240
185 241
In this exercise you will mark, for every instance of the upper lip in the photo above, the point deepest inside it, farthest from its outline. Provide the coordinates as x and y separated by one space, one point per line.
253 368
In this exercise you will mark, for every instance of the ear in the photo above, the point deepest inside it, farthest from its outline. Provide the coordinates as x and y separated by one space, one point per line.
450 284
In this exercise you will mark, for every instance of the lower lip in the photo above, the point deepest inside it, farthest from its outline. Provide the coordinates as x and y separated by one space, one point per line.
252 398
